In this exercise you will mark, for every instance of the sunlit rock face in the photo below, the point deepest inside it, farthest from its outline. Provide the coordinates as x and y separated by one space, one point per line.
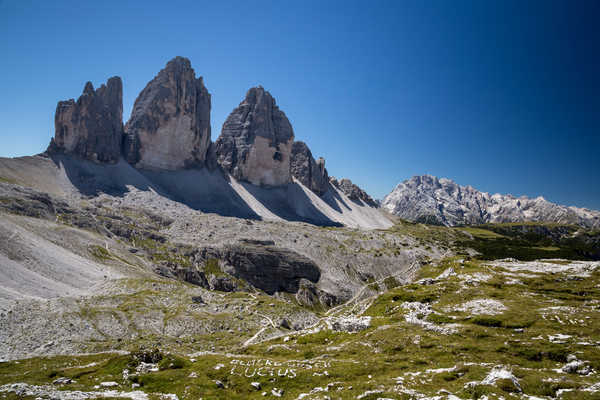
169 127
92 126
256 141
441 201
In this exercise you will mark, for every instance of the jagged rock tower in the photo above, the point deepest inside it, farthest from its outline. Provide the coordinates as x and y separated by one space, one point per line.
92 126
169 127
309 172
256 141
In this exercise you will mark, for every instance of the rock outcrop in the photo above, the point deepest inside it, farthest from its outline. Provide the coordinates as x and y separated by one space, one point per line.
256 141
92 126
353 192
263 265
309 172
169 127
441 201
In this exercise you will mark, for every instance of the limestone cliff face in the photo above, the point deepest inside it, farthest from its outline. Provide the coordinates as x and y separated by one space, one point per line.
169 127
309 172
92 126
256 141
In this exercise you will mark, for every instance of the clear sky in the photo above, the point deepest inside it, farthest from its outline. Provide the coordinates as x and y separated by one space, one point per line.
501 95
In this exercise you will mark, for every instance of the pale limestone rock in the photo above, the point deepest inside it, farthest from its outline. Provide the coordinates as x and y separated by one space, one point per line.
256 141
169 127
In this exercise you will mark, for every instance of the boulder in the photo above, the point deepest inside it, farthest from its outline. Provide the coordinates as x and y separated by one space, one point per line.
263 265
309 295
256 141
92 126
305 169
169 127
348 323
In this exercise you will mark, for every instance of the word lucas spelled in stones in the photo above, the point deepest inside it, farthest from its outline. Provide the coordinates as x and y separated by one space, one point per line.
271 368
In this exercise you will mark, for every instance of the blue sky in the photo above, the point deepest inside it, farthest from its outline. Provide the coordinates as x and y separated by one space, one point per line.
501 95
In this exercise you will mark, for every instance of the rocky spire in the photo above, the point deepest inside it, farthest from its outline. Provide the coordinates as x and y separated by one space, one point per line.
169 127
256 140
353 192
92 126
309 172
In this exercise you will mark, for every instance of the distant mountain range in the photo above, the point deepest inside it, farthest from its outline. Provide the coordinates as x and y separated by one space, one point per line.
255 169
441 201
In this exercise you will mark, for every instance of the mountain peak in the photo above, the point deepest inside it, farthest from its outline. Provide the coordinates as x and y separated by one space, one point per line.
256 141
441 200
169 127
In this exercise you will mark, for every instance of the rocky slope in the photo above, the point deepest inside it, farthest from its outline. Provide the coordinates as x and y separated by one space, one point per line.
76 272
466 329
353 192
442 201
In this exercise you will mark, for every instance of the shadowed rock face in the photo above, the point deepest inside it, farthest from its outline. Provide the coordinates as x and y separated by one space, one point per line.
92 126
256 141
269 268
263 265
309 172
169 127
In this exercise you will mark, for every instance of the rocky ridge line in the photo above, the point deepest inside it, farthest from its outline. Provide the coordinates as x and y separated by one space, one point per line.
441 201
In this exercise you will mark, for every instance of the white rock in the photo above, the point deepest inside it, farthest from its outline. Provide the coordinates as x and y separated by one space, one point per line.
348 324
501 373
368 393
559 338
446 274
481 307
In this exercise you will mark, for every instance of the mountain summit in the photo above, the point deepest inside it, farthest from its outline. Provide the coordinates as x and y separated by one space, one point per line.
435 200
169 127
255 169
